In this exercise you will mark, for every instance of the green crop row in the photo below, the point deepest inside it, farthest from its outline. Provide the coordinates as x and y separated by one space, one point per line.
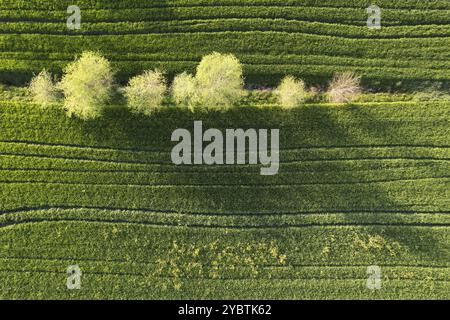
344 15
151 262
346 125
108 241
276 221
48 164
116 241
124 4
99 286
172 177
240 43
402 195
287 155
414 30
298 271
229 24
247 59
308 126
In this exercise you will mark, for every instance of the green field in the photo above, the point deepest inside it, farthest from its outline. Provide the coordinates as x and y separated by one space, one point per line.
359 185
307 38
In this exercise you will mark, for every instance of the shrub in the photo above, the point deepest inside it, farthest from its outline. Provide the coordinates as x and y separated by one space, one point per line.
291 92
145 93
43 90
87 84
344 87
219 81
184 89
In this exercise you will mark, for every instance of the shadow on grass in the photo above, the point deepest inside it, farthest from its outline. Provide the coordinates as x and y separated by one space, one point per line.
302 130
317 126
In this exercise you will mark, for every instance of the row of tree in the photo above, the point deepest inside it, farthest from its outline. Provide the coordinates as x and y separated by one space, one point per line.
87 87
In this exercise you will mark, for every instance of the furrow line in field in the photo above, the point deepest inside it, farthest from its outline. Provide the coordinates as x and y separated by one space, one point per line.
206 169
218 30
291 265
225 185
233 227
224 278
356 146
195 4
245 58
168 163
250 64
211 213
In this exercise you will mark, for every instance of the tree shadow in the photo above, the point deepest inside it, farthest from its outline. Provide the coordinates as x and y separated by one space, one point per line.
316 141
350 129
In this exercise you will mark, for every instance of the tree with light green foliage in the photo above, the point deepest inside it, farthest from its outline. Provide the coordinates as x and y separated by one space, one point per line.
219 81
291 92
43 89
145 93
184 89
87 84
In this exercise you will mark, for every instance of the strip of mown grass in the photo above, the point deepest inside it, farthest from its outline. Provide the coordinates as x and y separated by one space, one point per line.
359 185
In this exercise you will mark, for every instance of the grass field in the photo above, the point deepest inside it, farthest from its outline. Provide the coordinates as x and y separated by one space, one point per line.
359 185
306 38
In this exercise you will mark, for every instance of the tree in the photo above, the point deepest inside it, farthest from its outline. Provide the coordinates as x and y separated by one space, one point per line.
219 81
145 93
87 84
43 89
184 89
291 92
